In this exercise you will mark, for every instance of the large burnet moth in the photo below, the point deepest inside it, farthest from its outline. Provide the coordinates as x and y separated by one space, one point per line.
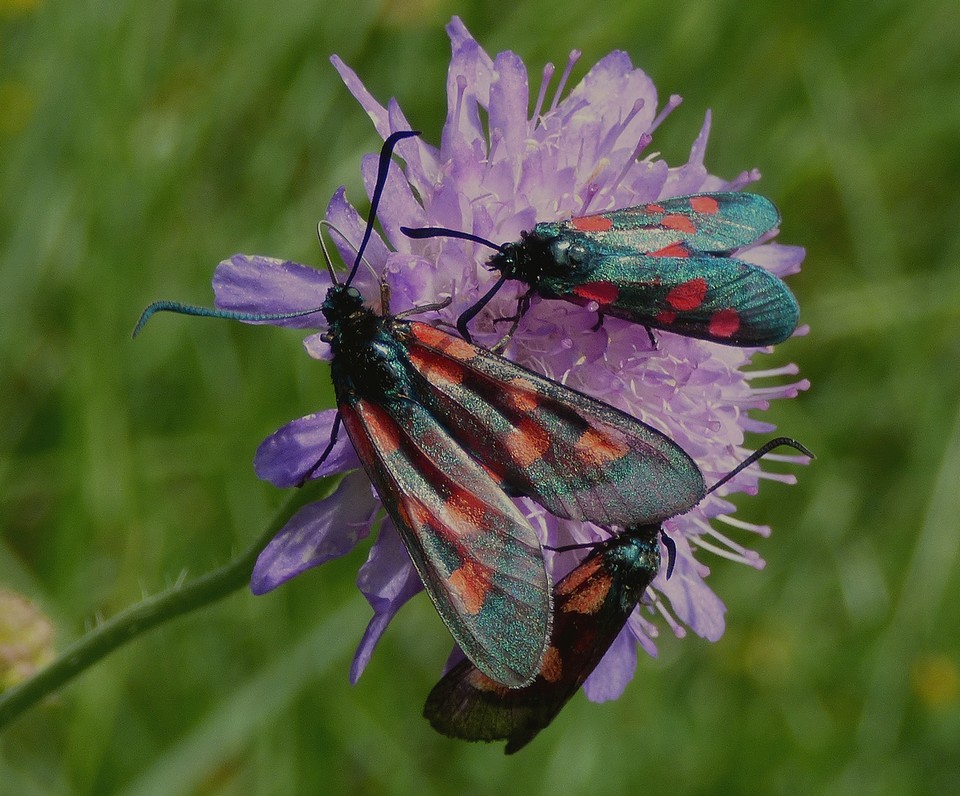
666 265
591 606
448 433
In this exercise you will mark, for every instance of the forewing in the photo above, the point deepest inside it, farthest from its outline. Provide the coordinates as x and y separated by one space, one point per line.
591 606
478 557
579 458
712 298
705 223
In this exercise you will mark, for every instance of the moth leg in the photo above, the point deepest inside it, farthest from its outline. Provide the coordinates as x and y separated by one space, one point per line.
323 456
435 307
654 345
523 304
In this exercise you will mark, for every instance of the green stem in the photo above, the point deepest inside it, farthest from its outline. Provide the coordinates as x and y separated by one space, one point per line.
139 618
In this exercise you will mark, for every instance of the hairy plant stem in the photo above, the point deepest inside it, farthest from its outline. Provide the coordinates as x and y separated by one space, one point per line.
148 613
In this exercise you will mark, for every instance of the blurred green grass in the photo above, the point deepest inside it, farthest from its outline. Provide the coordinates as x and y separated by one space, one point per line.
142 143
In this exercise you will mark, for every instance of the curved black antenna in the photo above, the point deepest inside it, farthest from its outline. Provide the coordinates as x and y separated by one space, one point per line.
671 551
209 312
470 313
762 451
383 168
422 233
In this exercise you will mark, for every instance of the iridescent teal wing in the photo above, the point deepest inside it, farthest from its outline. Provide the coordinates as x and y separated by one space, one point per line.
663 265
577 457
477 555
714 223
711 298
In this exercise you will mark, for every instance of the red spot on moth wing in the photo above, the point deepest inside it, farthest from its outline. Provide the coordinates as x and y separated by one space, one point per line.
470 585
551 669
576 577
466 510
527 442
705 204
673 250
655 208
600 292
597 449
725 323
436 367
478 680
589 598
522 394
440 340
688 295
598 223
679 223
358 436
380 428
666 317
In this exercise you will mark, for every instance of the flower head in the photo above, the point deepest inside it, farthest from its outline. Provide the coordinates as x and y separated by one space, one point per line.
498 171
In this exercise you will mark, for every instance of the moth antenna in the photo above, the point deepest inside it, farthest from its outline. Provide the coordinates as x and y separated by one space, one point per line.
671 551
323 248
326 254
759 454
472 312
422 233
383 168
212 312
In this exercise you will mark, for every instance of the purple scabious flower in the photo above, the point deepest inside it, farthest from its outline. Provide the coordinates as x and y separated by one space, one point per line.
499 170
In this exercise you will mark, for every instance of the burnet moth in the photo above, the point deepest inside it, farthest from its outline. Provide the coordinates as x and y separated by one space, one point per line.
448 433
591 606
666 265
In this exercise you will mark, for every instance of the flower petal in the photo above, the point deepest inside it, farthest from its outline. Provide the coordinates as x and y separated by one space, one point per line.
316 534
690 598
782 260
287 455
376 111
615 670
251 283
387 580
509 101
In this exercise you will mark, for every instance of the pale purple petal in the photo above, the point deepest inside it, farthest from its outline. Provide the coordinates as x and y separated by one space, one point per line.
317 347
782 260
251 283
509 100
692 176
387 580
376 111
468 83
317 533
615 670
691 599
287 455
